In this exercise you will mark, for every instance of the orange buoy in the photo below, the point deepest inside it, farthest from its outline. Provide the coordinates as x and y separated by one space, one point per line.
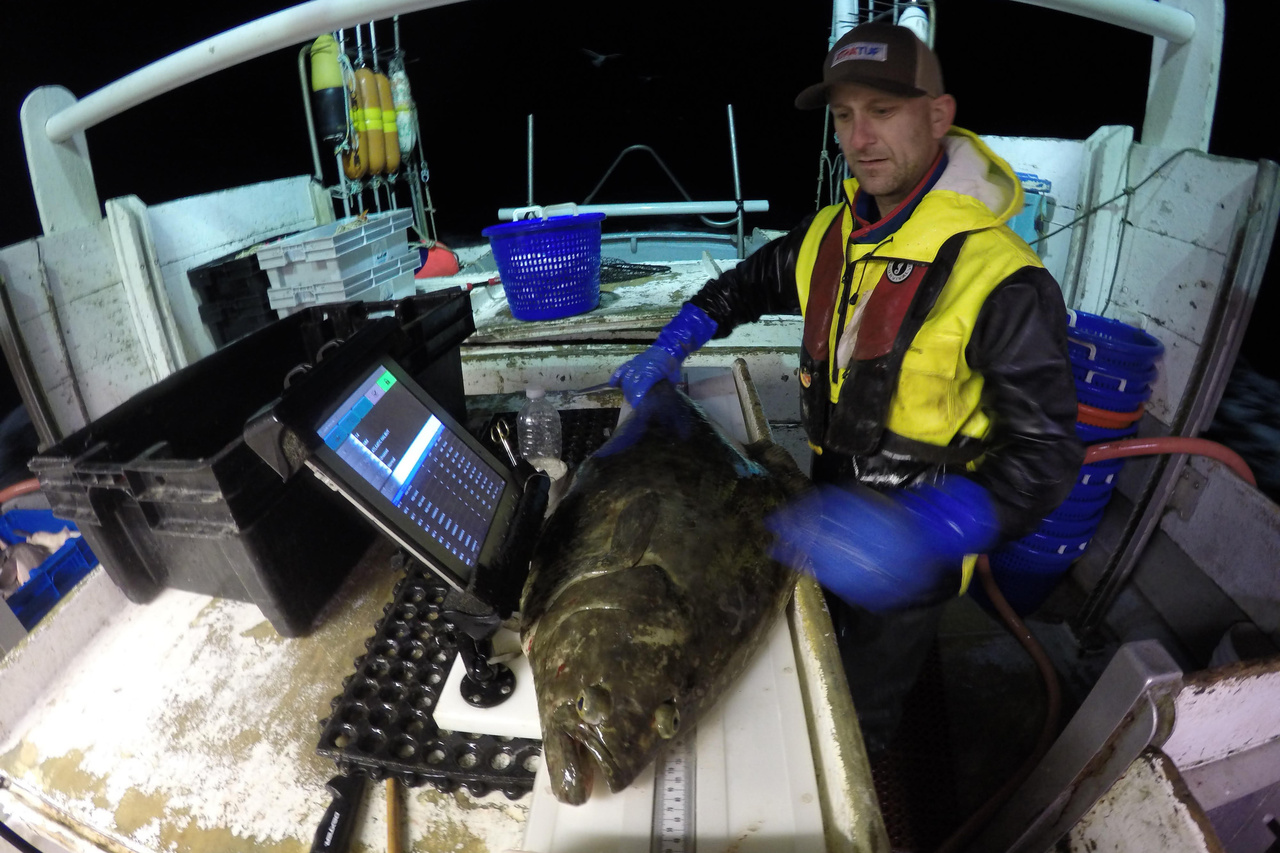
390 139
440 261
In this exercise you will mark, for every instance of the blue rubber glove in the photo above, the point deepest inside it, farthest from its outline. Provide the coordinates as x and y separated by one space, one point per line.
886 551
686 332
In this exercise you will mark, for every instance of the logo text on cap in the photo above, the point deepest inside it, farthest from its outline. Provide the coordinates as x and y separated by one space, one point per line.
878 51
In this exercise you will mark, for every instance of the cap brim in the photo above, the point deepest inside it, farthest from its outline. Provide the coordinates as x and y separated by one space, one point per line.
816 95
813 97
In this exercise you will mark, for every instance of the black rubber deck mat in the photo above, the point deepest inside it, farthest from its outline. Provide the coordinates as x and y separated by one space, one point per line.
382 723
914 778
582 432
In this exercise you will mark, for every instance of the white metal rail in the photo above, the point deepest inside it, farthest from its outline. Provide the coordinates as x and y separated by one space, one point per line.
282 29
1145 16
289 26
663 208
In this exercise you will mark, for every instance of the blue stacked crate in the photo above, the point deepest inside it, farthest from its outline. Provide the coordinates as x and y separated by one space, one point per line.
53 578
1114 365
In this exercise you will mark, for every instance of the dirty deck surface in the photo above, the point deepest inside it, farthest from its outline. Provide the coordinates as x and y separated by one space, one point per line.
204 731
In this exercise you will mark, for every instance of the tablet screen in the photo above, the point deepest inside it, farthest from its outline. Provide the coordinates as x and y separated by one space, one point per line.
416 466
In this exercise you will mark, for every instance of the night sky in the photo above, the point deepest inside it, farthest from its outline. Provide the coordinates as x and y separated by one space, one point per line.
478 68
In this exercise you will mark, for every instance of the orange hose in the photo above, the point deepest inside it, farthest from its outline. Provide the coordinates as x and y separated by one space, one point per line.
1048 729
1171 444
22 487
1105 418
1053 689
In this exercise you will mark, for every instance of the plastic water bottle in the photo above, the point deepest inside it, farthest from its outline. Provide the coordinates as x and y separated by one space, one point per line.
538 427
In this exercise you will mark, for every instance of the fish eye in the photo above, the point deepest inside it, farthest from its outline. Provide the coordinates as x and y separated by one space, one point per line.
666 719
594 704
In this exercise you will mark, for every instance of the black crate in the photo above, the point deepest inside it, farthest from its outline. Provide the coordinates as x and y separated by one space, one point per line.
168 494
231 321
233 297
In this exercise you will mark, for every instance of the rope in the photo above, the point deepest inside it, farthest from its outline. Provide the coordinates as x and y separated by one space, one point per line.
1127 191
613 270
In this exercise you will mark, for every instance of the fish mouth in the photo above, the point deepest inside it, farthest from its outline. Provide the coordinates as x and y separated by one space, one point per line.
578 743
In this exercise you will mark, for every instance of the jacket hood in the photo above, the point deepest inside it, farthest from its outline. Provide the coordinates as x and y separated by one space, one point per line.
975 171
976 190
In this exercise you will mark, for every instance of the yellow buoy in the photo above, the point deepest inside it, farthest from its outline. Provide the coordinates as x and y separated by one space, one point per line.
328 93
370 120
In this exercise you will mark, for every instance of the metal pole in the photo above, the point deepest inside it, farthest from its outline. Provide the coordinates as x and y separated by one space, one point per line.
529 156
342 182
379 181
664 208
303 55
346 101
737 186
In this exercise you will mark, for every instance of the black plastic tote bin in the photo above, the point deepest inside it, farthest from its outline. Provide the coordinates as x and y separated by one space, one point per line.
168 494
233 296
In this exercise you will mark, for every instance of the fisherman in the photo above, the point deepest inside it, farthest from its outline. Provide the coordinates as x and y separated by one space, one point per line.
935 387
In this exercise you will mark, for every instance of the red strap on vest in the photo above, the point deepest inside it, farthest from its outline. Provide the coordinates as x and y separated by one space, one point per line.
824 290
886 308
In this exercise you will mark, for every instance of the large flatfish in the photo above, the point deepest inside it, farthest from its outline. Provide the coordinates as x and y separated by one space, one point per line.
650 589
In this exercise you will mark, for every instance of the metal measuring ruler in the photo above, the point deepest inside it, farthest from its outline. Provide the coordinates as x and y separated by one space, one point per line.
673 798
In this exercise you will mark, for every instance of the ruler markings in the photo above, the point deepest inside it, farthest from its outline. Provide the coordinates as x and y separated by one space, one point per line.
673 798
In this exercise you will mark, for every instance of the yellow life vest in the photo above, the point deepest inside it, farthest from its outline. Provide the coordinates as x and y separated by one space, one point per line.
887 323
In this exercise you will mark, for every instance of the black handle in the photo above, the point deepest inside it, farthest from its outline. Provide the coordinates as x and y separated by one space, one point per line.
19 843
334 832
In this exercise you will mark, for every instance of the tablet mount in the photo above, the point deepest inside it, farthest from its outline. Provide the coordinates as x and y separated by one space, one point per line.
474 614
477 614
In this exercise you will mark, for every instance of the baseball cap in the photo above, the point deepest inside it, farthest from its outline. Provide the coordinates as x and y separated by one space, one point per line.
882 56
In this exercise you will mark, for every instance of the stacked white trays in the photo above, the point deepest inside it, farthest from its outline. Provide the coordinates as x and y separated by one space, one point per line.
341 261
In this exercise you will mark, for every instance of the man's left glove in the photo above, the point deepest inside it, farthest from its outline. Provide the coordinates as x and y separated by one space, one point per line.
887 551
686 332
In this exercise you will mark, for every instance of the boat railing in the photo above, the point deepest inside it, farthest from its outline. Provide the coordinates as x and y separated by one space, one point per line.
738 207
1184 62
298 23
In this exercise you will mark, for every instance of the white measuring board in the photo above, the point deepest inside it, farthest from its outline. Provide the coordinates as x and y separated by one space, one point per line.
754 789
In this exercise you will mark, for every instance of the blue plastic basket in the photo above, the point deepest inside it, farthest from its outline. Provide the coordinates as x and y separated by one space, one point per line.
1074 508
1097 473
1089 492
1048 543
550 267
1090 434
1114 378
1110 343
1025 577
1071 527
1112 401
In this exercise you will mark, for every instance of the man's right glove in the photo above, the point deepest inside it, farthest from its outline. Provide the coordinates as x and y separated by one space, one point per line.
886 551
686 332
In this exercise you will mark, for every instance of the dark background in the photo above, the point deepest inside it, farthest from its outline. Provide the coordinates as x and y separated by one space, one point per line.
478 68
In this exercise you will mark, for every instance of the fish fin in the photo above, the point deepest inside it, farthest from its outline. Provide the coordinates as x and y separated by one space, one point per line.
634 527
780 463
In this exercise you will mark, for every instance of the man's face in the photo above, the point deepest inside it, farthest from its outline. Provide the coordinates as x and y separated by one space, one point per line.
888 140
